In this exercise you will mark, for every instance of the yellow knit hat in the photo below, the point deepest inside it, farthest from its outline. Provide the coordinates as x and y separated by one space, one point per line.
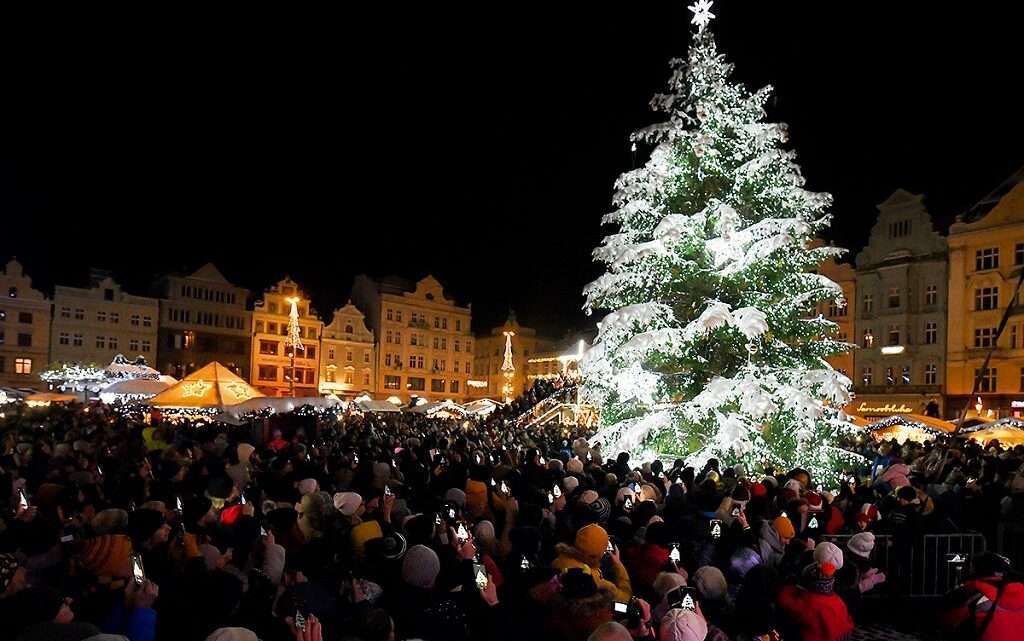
592 541
784 527
363 533
107 555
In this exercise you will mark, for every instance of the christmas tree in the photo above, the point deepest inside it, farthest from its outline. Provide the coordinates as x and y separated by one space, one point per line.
711 347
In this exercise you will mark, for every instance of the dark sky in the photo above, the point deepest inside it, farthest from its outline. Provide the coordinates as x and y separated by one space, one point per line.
476 141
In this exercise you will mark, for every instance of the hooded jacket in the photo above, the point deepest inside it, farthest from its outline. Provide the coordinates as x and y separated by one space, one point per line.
770 547
817 617
979 596
570 557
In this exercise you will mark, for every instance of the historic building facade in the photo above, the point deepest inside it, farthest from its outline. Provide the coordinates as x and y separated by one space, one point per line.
501 360
843 275
24 329
272 357
424 340
203 318
986 256
347 357
901 315
94 324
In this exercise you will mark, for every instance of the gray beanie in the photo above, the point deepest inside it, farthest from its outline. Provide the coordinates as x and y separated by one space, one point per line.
456 496
420 567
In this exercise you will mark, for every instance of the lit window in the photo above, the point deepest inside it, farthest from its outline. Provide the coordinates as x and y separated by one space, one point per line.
987 258
894 335
986 379
869 303
65 338
23 366
931 333
931 374
905 375
866 376
985 337
931 295
869 339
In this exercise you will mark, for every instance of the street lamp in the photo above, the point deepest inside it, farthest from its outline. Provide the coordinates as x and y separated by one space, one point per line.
294 340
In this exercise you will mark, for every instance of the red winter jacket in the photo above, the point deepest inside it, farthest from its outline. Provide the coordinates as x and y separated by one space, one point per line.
818 617
836 522
644 564
1008 620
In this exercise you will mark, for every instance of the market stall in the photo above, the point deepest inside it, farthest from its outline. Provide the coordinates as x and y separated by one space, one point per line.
912 427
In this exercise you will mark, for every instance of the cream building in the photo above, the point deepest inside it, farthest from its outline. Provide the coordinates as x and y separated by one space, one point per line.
271 354
347 357
24 329
901 312
986 256
424 344
92 325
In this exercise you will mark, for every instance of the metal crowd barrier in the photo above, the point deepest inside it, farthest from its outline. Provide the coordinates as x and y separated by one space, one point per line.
919 568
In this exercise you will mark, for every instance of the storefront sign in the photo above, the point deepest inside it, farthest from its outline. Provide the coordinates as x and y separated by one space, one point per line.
1017 404
888 408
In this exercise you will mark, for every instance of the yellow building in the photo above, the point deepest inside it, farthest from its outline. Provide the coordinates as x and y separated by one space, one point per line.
424 344
843 275
271 353
501 360
557 358
24 329
986 255
347 358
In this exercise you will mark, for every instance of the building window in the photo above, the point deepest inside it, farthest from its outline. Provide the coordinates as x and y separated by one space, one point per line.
267 372
1022 379
309 352
23 366
985 337
986 379
388 337
869 303
398 338
419 362
416 383
79 314
412 362
269 347
65 338
931 374
894 297
414 340
1018 254
467 367
348 378
458 325
894 335
112 342
12 292
133 345
389 314
1013 337
25 318
890 376
115 317
458 345
101 317
366 356
437 325
134 320
398 316
931 295
905 375
869 339
454 387
387 360
437 385
101 342
24 340
349 329
986 259
899 229
348 355
330 353
436 343
866 376
65 312
931 333
147 321
76 340
392 382
366 378
986 298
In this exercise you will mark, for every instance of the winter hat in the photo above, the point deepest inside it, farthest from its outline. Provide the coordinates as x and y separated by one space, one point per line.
710 583
868 514
109 521
143 524
592 541
107 555
476 497
233 634
8 567
456 496
819 578
682 625
814 502
362 534
784 527
555 465
827 552
307 486
347 502
794 485
665 582
245 451
420 567
742 561
758 489
574 466
570 483
588 497
741 495
770 480
388 548
739 471
620 496
484 531
861 544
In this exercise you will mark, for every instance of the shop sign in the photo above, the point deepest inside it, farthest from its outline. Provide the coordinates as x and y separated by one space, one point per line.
888 408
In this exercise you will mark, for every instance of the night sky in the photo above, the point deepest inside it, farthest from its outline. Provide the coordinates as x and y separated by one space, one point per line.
477 142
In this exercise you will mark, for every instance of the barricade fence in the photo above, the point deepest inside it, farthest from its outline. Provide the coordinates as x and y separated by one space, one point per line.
928 566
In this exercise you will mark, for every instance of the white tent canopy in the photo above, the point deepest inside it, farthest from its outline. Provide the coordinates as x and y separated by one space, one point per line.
439 407
481 407
279 405
132 388
121 367
377 406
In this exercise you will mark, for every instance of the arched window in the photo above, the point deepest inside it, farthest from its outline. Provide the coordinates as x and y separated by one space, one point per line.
12 292
348 329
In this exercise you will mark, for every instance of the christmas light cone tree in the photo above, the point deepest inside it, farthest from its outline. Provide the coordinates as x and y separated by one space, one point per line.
711 347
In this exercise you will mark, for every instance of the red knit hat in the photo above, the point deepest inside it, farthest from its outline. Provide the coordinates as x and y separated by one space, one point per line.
758 489
814 502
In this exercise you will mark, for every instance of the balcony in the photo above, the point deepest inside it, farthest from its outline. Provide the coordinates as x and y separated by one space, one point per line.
419 324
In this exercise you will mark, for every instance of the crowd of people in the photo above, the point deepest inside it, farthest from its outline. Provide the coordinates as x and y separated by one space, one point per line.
372 528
